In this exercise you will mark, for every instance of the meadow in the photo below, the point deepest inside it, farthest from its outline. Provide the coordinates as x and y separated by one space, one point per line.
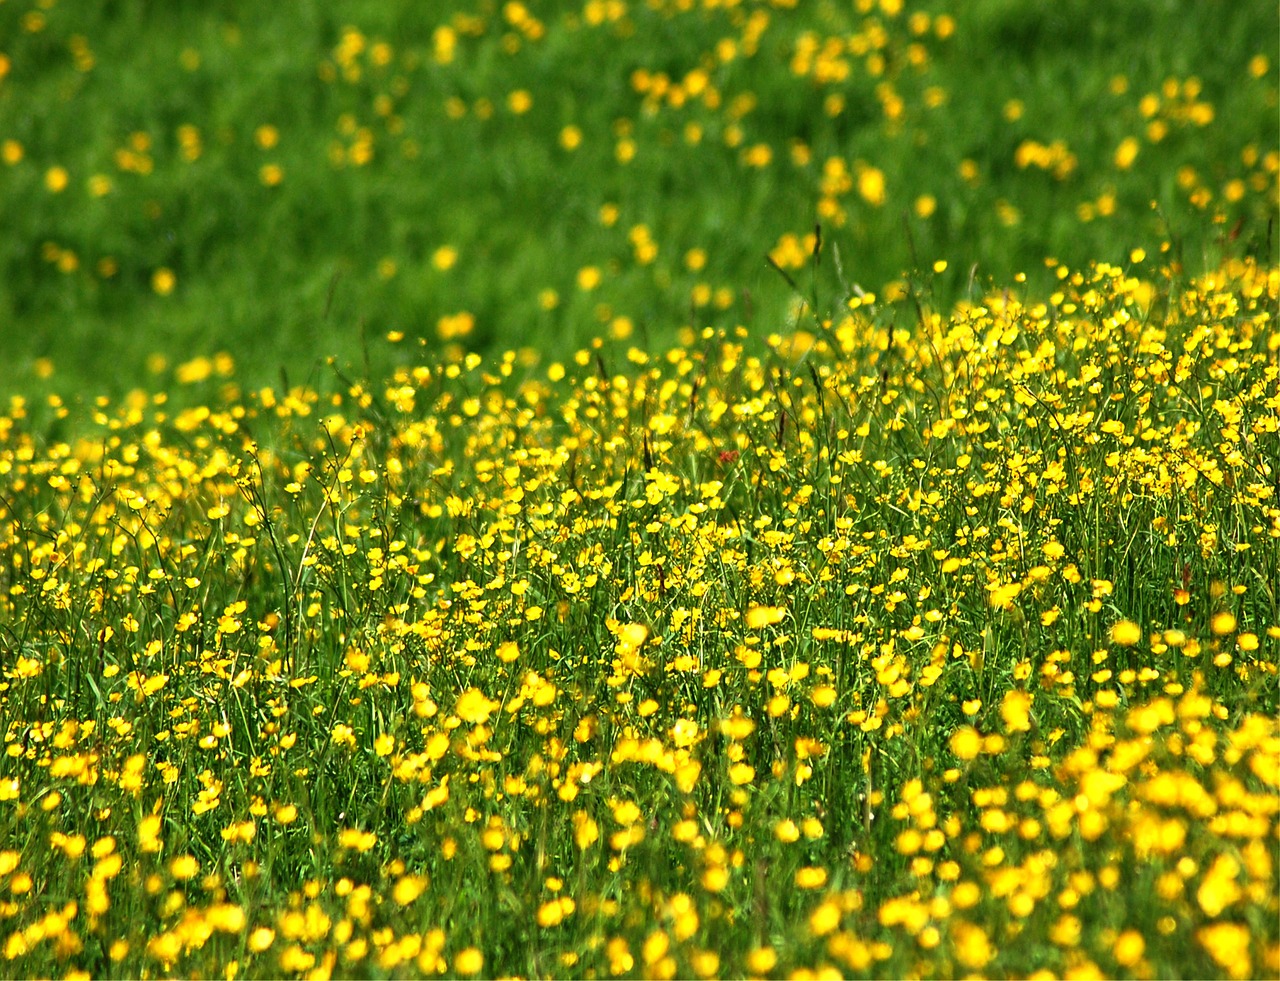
435 541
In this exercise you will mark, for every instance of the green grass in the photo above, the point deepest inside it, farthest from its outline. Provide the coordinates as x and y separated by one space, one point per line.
283 276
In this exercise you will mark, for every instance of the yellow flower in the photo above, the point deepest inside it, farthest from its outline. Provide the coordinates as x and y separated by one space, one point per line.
508 651
551 913
1126 153
56 179
71 845
1126 633
633 635
585 830
149 840
1015 709
655 947
468 961
571 137
294 960
825 918
225 917
871 185
1065 932
1129 948
762 960
1002 597
737 727
811 877
687 776
163 281
972 946
763 616
1228 944
166 947
356 839
1219 888
452 326
966 743
474 706
444 257
684 733
184 867
408 888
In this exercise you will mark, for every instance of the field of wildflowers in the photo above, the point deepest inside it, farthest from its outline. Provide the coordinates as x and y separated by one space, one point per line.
884 651
900 622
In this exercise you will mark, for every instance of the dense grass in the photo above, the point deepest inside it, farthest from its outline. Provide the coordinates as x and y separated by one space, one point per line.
984 135
433 540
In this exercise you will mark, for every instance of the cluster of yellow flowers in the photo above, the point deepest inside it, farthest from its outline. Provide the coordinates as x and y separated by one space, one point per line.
902 643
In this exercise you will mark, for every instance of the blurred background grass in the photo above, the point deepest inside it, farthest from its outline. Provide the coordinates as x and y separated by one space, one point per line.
285 182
